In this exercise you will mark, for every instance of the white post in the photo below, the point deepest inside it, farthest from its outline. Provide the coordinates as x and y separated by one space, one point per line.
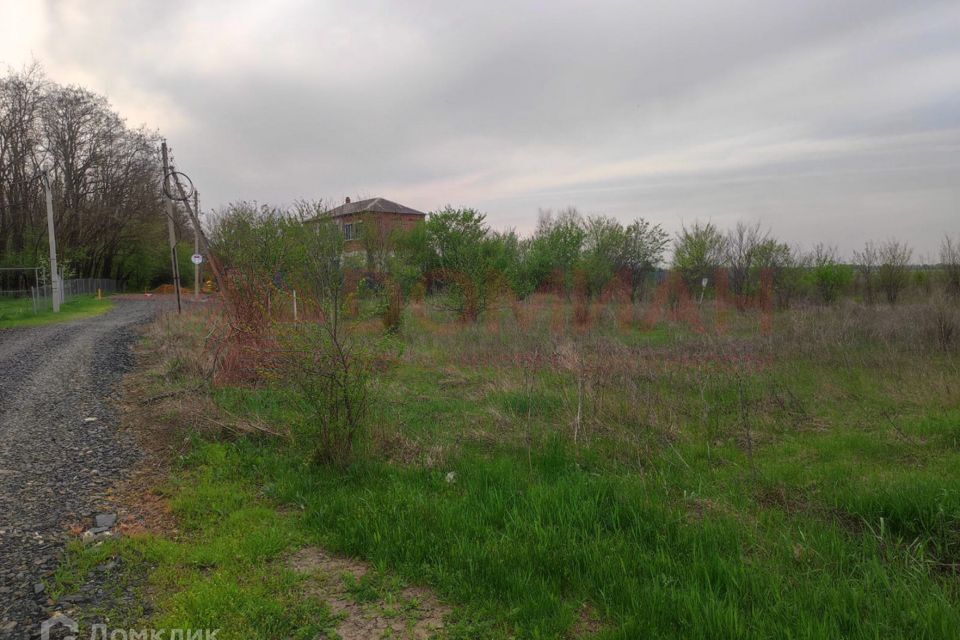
52 236
294 305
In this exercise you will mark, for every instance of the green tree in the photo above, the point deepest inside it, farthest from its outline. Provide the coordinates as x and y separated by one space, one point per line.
412 258
513 251
698 252
553 253
603 247
259 240
470 260
642 251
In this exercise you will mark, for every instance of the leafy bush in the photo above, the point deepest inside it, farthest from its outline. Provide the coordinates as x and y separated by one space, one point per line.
392 308
831 280
330 371
828 277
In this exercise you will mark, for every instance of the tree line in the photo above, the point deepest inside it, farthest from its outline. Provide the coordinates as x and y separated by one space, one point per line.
105 179
457 255
594 256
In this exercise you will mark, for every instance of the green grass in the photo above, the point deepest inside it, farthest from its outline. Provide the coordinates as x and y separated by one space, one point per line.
19 312
224 572
808 498
848 530
524 544
528 542
842 533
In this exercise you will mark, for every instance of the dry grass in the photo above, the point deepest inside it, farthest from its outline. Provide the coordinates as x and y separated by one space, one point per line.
166 401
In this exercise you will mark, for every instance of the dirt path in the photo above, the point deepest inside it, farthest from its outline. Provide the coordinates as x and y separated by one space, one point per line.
59 448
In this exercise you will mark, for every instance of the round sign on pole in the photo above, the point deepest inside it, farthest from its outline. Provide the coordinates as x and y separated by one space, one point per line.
196 258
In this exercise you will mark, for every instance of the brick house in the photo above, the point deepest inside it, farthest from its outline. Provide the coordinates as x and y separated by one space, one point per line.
367 225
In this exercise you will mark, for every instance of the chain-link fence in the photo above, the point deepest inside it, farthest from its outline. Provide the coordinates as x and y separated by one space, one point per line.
72 288
28 290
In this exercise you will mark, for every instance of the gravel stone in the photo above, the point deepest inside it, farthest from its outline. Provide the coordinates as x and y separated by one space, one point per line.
105 520
55 465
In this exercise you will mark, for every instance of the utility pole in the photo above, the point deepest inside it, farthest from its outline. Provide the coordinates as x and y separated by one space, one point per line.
196 246
214 264
171 229
51 234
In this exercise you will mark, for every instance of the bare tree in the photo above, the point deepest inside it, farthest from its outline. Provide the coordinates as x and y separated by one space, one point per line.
21 98
740 252
785 267
868 261
823 255
893 272
103 174
950 263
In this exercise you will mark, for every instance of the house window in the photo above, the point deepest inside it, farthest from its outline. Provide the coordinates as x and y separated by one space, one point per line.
351 231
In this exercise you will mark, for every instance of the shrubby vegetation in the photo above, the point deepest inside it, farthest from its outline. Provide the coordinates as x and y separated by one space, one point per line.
465 266
611 480
456 263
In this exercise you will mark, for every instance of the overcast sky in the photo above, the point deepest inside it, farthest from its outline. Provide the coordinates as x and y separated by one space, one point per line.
824 120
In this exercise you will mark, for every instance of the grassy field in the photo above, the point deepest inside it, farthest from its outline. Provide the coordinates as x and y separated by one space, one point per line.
18 312
549 481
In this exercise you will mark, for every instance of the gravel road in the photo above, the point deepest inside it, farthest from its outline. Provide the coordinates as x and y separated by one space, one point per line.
59 447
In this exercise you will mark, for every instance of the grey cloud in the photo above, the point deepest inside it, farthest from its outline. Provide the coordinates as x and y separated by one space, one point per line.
807 115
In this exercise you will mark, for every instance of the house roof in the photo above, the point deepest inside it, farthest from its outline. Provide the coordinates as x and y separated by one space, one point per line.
372 205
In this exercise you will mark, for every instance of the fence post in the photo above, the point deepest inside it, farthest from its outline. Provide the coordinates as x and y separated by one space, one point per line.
294 305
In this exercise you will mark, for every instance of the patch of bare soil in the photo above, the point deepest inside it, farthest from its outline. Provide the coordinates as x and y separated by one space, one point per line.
411 613
140 505
588 622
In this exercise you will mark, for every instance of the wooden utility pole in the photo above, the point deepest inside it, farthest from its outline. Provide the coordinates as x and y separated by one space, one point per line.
171 228
196 246
205 244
